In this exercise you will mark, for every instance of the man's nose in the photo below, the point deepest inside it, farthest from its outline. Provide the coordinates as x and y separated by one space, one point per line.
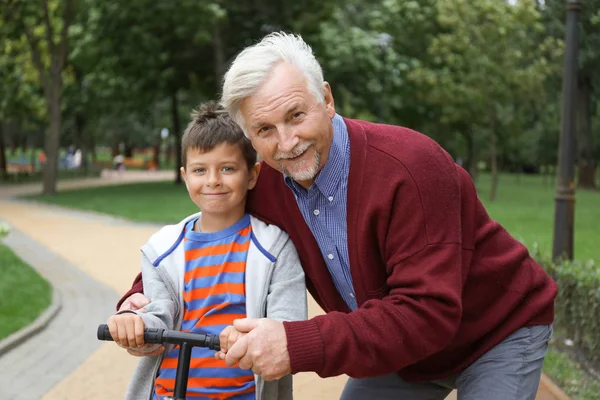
287 140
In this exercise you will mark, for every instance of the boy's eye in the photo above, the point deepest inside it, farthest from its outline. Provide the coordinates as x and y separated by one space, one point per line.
227 169
199 170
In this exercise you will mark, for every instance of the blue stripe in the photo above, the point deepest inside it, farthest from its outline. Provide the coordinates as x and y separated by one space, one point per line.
262 249
208 281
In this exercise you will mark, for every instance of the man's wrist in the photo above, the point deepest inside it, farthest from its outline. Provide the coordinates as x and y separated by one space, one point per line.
304 345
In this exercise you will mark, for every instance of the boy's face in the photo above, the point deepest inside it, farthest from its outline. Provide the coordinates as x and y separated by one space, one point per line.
218 181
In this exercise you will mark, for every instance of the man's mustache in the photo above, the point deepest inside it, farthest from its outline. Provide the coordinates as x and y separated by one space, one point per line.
296 151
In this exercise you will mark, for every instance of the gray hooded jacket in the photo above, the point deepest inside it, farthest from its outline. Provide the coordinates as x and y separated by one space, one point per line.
275 288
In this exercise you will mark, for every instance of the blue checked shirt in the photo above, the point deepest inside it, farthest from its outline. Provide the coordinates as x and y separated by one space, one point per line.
323 207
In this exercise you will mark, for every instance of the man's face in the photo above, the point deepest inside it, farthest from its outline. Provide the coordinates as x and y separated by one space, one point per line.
289 129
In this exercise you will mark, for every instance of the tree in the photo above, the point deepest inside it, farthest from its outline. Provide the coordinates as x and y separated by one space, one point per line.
46 32
486 64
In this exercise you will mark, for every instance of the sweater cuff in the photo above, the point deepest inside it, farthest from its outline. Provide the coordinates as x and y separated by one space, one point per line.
305 346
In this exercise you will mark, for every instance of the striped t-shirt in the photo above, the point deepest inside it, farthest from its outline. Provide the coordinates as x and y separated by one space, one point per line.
214 295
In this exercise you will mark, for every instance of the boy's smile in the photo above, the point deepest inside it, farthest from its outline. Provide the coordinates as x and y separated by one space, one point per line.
217 182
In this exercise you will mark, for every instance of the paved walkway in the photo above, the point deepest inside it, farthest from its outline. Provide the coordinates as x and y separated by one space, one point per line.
90 259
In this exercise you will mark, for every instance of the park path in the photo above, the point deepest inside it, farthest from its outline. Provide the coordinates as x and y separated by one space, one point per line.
91 259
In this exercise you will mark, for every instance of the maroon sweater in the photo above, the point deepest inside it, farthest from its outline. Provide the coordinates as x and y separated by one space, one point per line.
438 282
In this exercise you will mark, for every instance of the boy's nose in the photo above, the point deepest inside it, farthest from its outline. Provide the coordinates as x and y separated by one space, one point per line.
214 178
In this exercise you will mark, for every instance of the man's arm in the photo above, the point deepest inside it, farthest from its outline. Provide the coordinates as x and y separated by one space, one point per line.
136 287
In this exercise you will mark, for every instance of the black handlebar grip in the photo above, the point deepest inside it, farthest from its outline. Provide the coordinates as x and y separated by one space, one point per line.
104 333
151 335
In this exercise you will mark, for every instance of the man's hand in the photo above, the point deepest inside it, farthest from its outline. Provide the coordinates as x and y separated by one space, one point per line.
134 302
227 338
263 349
127 330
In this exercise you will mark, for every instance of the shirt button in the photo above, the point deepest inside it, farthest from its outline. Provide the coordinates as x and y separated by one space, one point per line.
316 212
330 198
330 256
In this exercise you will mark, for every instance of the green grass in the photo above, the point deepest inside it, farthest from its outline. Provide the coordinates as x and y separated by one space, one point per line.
23 293
525 207
570 376
159 202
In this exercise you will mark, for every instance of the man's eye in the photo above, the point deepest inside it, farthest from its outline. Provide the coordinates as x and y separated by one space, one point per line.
264 129
298 114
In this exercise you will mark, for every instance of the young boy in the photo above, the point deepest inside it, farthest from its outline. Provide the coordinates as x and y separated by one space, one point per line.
211 268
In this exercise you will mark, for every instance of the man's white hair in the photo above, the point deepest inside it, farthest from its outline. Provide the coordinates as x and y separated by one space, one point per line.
252 66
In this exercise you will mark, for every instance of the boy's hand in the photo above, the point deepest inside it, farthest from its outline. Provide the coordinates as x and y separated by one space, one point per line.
227 338
127 330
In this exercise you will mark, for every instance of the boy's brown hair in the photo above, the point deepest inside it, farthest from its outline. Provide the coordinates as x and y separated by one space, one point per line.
211 126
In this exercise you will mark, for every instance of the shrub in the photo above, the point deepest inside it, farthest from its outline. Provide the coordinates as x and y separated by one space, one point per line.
578 301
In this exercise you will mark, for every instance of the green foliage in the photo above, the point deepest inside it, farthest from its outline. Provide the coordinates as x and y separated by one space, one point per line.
24 293
578 301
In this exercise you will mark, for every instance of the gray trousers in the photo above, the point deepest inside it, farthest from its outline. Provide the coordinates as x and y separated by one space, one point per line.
509 371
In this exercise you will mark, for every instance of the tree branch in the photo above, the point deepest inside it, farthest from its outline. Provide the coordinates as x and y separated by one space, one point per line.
64 37
49 30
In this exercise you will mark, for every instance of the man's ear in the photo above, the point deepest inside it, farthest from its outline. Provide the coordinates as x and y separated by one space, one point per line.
254 172
328 100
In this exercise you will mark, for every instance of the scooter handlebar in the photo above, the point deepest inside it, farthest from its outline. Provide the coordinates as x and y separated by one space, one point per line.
162 336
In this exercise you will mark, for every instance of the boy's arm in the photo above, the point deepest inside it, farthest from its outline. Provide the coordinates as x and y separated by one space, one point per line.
161 311
286 300
136 287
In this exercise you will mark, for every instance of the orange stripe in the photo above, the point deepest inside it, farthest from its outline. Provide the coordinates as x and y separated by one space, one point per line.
163 385
220 319
214 270
189 315
219 288
218 249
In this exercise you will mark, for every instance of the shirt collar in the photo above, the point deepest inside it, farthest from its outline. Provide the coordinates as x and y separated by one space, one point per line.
336 168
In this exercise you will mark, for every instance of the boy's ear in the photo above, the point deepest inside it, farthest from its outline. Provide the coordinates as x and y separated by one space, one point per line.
182 171
254 172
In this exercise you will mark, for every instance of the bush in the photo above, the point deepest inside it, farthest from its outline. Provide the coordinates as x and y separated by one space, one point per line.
578 302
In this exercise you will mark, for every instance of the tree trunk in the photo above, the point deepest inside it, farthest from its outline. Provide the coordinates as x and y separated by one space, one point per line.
219 52
493 165
52 139
176 134
3 172
585 146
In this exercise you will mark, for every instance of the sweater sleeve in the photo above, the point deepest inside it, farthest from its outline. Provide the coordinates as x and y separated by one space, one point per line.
418 310
136 287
